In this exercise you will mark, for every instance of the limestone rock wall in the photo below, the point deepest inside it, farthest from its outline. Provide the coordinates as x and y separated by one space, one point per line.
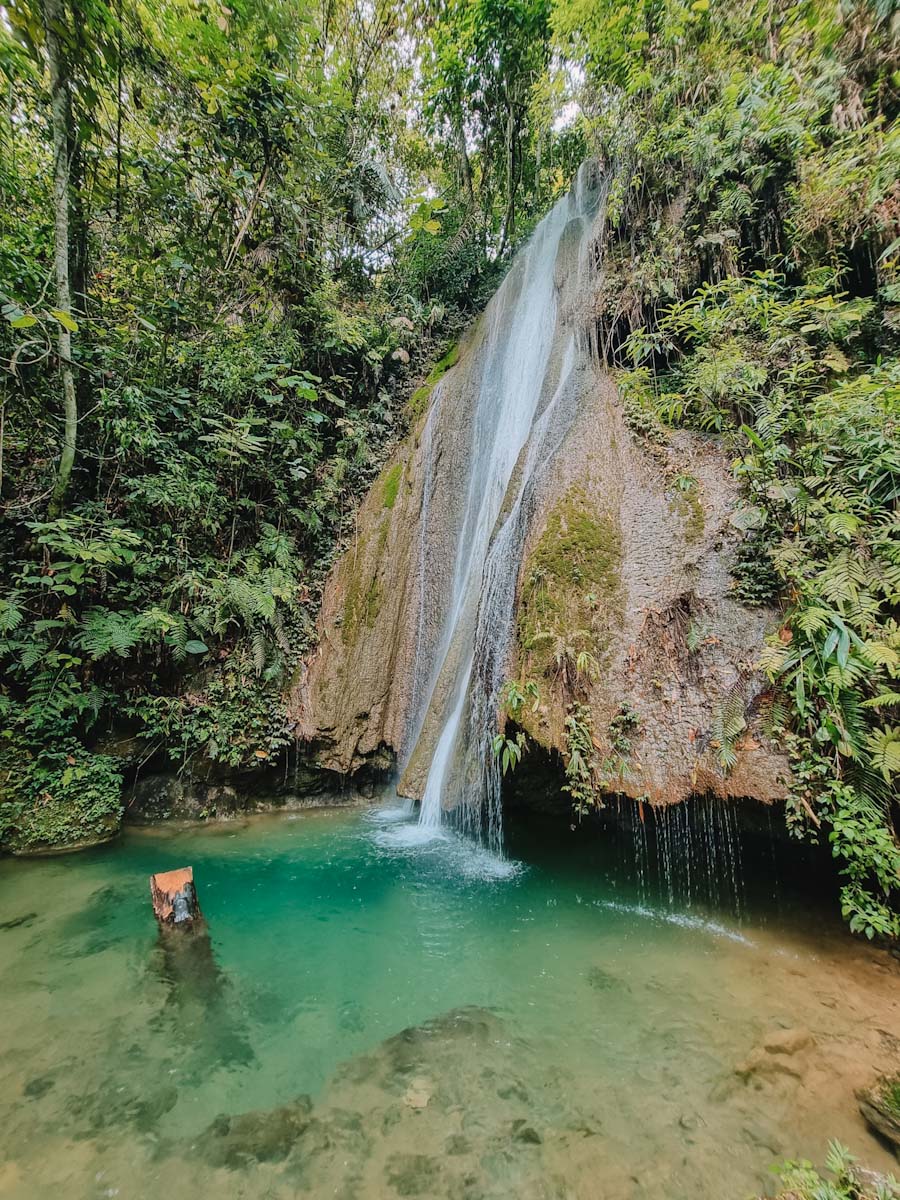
624 597
615 549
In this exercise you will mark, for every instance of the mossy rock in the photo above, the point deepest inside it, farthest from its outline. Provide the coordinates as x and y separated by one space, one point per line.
391 486
361 609
880 1105
418 401
364 592
267 1135
686 505
571 595
60 801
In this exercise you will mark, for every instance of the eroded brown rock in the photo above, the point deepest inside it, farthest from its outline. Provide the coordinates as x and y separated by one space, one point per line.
643 585
880 1105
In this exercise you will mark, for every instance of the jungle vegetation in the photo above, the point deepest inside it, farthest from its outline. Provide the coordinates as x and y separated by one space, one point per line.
235 238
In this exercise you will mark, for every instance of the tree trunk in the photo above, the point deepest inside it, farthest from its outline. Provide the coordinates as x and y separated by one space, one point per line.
119 112
465 165
509 218
174 898
54 20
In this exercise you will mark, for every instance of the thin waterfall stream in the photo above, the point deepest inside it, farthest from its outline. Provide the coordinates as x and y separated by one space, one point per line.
519 419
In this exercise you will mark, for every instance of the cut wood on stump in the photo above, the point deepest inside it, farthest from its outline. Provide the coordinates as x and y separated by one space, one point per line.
175 898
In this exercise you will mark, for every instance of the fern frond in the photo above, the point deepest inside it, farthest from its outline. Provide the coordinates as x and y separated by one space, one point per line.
11 613
884 747
259 647
103 632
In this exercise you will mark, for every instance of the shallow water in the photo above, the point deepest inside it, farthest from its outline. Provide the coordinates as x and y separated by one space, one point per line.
566 1035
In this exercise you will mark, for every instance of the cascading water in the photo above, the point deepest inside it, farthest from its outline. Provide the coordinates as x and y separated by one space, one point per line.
523 408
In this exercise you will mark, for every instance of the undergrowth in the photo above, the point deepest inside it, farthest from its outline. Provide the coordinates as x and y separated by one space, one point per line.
843 1179
815 433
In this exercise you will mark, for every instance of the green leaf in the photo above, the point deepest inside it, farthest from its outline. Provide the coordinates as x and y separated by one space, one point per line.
800 691
195 647
65 319
751 517
24 322
753 437
843 648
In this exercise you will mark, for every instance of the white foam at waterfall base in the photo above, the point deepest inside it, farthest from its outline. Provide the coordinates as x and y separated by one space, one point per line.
387 813
457 855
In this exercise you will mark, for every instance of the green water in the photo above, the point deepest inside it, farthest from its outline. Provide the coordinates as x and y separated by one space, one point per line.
566 1038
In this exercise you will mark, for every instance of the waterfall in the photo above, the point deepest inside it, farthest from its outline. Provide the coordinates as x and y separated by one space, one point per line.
524 405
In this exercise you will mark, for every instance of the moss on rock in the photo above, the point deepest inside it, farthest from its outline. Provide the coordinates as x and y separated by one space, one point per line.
65 798
391 486
418 401
686 505
361 607
572 589
880 1105
364 592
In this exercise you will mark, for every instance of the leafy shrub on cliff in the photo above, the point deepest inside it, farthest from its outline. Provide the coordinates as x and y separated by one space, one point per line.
751 260
816 435
61 797
250 298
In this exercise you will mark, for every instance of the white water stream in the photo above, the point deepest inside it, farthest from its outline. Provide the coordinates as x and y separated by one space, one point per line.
520 416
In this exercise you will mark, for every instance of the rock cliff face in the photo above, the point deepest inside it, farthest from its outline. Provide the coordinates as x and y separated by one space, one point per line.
594 563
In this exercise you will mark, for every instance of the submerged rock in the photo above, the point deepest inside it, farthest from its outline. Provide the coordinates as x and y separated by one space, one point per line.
265 1136
435 1111
525 1133
115 1104
18 922
780 1053
413 1174
418 1093
787 1041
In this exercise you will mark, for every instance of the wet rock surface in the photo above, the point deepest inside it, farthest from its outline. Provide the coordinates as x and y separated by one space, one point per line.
623 548
217 794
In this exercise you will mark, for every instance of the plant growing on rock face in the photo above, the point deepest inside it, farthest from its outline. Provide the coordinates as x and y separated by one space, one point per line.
785 151
729 723
63 796
697 633
845 1179
571 595
509 750
513 697
615 765
582 767
816 447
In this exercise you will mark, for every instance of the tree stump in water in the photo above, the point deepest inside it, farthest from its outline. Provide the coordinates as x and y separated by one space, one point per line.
187 965
175 899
